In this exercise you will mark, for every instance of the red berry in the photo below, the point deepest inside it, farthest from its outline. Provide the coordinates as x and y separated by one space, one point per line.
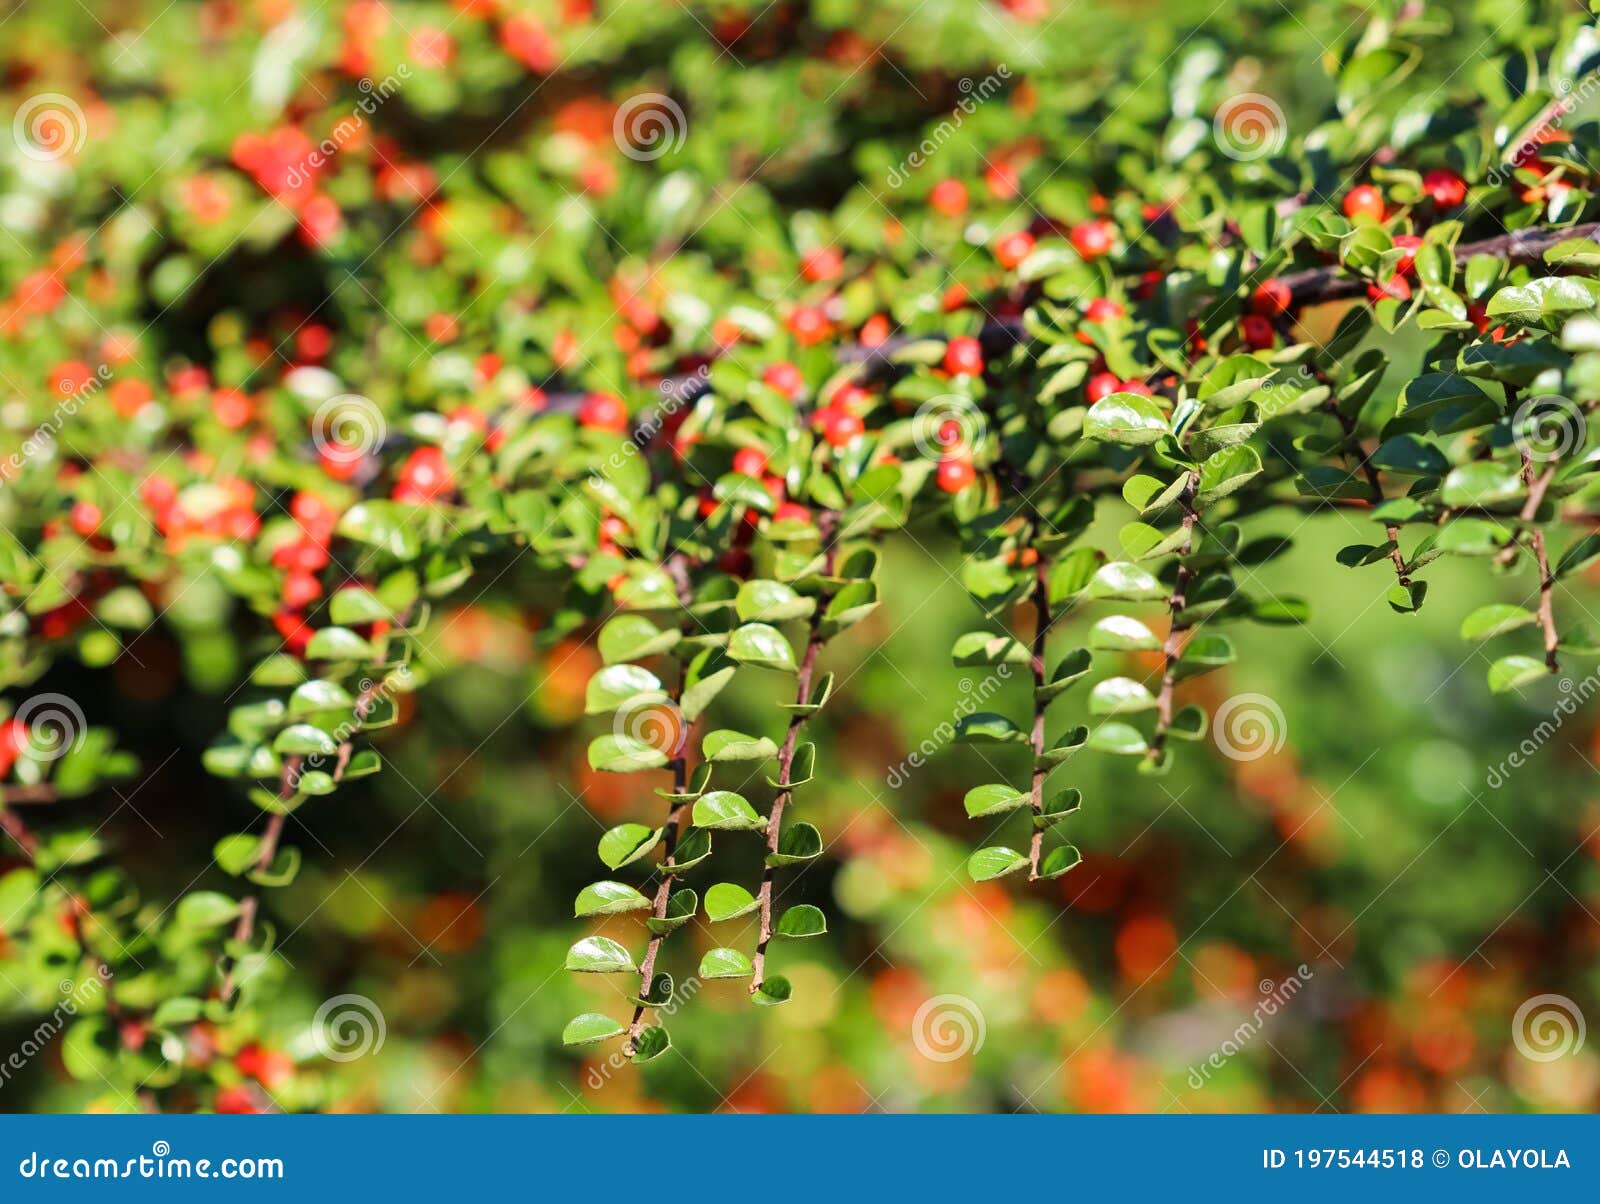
86 518
1137 386
13 739
1398 288
1271 298
822 263
954 474
751 461
950 434
851 397
1257 332
1444 188
424 476
1103 309
963 357
1364 201
524 38
340 462
949 197
232 408
236 1101
603 412
809 325
839 427
1013 248
792 510
300 590
1101 384
320 221
1093 239
1001 181
1407 263
785 378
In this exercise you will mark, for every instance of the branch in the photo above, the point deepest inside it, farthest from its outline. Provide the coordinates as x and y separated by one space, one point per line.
1041 630
1375 483
808 663
676 568
1313 286
1332 283
16 796
1178 632
1547 619
15 827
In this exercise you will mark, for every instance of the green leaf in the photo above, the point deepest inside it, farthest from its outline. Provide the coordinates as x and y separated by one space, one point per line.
725 810
1068 670
1202 654
599 955
1070 574
1129 419
355 607
622 753
339 644
763 646
627 843
608 898
319 695
1119 738
984 727
205 909
1228 471
798 844
632 637
694 848
1497 618
681 908
303 740
986 648
1514 672
771 602
617 684
590 1028
650 1044
994 799
1583 551
1548 297
773 991
802 920
1481 483
703 680
1124 582
1120 696
1068 743
993 862
724 744
725 963
1058 861
1059 807
1122 633
728 901
237 854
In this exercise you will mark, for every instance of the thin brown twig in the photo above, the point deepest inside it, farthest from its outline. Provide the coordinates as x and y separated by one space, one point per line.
1537 485
1178 632
677 569
1036 662
808 663
17 828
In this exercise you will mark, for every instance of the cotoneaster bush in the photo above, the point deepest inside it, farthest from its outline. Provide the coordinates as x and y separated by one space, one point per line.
318 320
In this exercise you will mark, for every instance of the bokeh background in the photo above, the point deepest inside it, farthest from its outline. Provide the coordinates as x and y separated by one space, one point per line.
1364 834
